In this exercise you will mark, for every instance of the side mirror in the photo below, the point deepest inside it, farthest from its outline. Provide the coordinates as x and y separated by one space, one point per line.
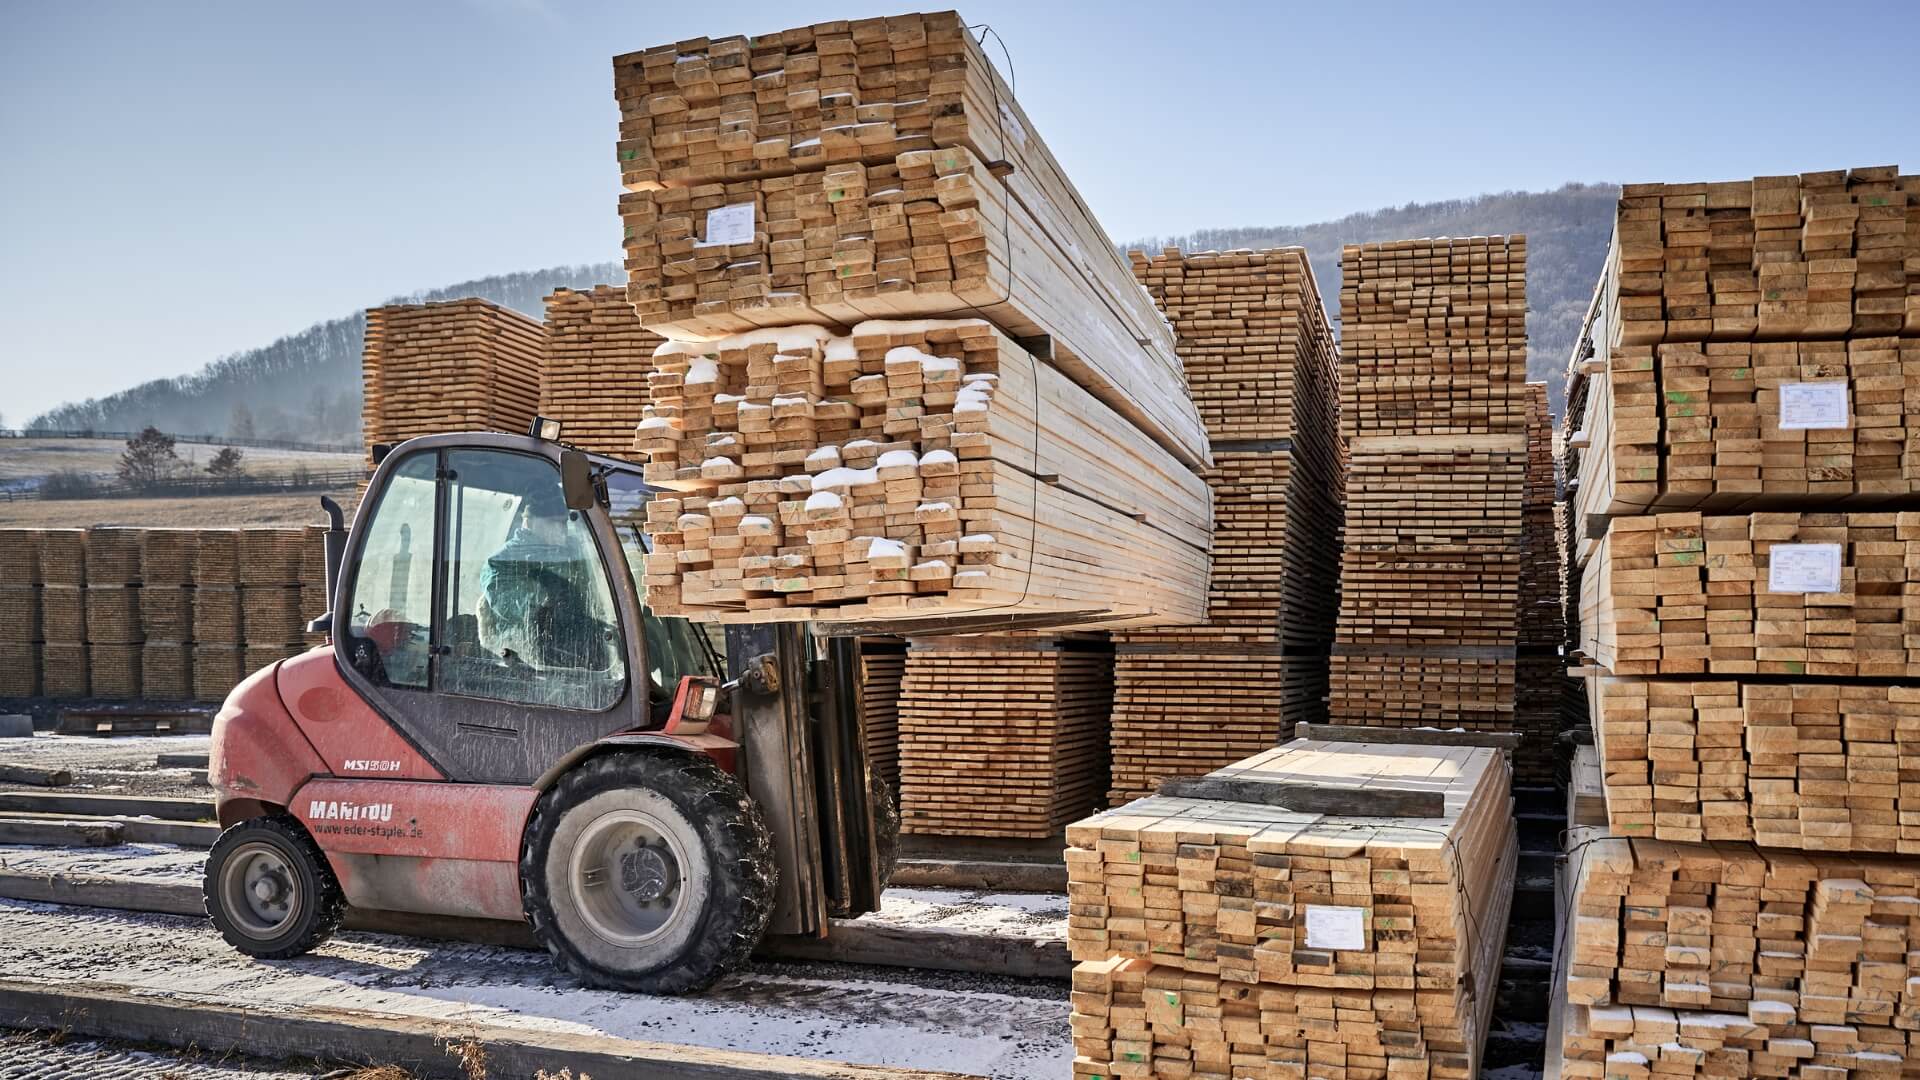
576 480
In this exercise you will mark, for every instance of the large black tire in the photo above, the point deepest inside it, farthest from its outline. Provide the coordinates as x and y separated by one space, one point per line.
269 889
627 838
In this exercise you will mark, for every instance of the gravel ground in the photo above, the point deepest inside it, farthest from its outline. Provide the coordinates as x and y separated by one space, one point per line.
34 1055
116 765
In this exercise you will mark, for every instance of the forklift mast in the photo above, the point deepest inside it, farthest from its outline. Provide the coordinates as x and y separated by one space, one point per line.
805 763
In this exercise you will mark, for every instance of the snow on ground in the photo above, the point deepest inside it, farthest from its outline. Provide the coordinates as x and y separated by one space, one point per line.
1013 1032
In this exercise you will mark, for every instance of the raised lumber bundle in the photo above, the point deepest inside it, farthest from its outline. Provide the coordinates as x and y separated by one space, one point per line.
20 626
1827 594
595 377
1003 736
1259 354
1787 765
883 663
1435 409
1775 258
1434 337
1228 938
1723 960
908 470
1540 672
847 171
459 365
1744 424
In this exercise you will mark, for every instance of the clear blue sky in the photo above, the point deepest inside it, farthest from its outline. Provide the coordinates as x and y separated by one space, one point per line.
186 179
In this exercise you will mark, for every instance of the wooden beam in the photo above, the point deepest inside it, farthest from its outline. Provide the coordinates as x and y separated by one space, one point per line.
418 1044
49 802
1407 736
1005 875
1310 798
61 832
38 775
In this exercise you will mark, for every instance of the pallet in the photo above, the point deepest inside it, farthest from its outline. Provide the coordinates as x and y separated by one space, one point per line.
1211 930
937 199
594 381
1685 593
1003 736
910 470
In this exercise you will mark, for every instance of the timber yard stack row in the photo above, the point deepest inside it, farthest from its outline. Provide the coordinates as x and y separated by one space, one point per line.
1228 938
457 365
1260 360
1435 408
1029 451
159 614
1750 615
1540 667
595 377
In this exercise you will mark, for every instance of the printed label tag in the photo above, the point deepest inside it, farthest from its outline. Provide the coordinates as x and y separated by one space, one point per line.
1813 406
1340 928
729 225
1803 568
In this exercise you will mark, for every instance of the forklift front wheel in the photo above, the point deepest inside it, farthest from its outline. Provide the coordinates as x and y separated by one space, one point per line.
649 872
269 889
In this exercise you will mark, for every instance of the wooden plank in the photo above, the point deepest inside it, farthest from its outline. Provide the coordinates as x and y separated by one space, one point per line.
108 1011
43 802
1407 736
1308 798
37 775
58 832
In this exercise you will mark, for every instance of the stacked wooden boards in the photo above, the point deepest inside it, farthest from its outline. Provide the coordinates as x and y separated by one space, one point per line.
1785 593
1229 938
1254 339
1725 960
908 470
883 664
153 614
879 168
594 380
1540 668
459 365
1003 736
1433 358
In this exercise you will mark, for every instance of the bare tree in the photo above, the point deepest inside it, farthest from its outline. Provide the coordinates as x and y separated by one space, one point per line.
149 457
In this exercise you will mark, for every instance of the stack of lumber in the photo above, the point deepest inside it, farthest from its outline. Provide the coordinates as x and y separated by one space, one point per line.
879 168
273 620
1724 960
112 599
1219 938
460 365
20 633
1003 736
883 664
62 555
1822 594
216 614
166 613
1775 258
595 377
1539 669
908 470
1816 766
1434 405
1253 336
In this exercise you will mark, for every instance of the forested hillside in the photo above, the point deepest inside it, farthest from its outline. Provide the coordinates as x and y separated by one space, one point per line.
307 386
1567 232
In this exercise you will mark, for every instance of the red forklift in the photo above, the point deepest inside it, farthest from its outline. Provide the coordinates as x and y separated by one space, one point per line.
498 728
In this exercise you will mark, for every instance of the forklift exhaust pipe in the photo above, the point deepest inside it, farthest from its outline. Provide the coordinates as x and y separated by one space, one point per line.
335 539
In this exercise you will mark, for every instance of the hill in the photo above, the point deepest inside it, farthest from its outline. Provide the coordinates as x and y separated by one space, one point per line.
306 386
1567 232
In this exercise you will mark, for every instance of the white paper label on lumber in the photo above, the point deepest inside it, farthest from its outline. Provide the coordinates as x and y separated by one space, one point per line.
729 225
1813 406
1338 928
1804 568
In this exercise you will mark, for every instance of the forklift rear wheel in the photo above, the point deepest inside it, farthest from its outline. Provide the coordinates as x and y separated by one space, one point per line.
270 891
648 872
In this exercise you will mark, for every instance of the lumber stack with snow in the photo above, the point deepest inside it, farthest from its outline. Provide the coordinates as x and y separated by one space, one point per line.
20 623
595 377
879 168
1259 354
1003 735
906 470
1358 937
